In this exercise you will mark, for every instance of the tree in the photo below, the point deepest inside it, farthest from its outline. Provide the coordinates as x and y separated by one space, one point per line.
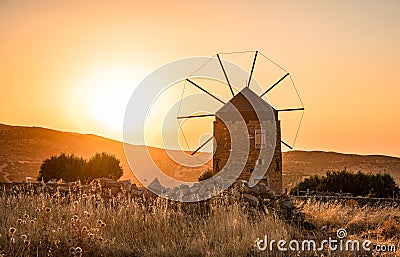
66 167
103 166
71 168
358 184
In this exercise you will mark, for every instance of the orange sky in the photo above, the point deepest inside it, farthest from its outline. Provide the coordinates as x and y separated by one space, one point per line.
72 65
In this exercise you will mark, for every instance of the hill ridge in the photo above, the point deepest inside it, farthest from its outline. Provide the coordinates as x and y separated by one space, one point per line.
23 148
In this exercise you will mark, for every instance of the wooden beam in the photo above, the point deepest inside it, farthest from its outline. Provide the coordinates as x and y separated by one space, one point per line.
202 89
198 149
287 145
252 69
226 76
292 109
276 83
195 116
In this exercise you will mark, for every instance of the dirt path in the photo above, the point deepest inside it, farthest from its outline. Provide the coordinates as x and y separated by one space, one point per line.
6 174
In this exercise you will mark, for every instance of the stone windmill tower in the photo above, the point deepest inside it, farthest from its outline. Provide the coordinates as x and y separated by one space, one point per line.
259 145
249 104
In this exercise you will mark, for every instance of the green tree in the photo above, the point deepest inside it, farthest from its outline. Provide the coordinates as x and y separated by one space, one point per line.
103 165
66 167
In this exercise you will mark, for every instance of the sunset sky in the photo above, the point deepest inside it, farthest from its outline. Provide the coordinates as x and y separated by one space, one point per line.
72 65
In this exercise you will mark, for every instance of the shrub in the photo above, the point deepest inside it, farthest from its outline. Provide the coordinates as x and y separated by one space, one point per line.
71 168
358 184
66 167
104 166
206 175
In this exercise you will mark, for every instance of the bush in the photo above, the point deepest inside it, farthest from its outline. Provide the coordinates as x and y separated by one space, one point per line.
206 175
104 166
71 168
358 184
66 167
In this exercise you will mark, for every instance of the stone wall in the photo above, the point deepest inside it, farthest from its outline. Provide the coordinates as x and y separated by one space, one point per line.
222 136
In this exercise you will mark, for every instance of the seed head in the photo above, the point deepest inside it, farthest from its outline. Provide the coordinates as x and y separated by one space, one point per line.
12 230
48 209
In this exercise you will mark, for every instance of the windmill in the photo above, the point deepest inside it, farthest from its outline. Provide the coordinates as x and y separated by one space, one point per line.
246 112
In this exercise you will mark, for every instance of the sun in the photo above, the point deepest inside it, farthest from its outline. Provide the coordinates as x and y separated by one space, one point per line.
104 95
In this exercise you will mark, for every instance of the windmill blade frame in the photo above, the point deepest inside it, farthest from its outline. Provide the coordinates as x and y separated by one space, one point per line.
226 76
198 149
274 85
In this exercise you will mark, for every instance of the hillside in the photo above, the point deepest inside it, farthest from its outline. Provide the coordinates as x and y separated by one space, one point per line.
22 150
300 164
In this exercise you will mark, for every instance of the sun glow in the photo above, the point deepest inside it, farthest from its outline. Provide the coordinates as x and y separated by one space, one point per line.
104 95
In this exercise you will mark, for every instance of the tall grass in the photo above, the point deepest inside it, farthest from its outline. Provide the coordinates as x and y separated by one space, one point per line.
86 225
379 224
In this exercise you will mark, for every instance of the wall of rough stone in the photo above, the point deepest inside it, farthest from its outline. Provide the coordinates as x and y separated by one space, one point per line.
222 136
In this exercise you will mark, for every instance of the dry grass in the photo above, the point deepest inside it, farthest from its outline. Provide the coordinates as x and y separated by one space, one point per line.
380 224
43 225
86 225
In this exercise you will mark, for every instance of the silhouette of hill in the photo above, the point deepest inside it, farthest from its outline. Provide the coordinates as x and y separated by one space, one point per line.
22 150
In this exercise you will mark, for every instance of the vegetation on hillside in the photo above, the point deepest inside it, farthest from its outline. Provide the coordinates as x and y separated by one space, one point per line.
72 168
358 184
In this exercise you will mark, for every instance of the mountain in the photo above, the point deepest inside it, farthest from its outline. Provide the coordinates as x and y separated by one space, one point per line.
22 150
301 164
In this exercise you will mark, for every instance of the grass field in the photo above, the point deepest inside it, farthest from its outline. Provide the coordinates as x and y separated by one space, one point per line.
86 225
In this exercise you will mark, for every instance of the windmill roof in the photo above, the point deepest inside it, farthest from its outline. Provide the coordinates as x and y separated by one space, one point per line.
250 106
155 185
